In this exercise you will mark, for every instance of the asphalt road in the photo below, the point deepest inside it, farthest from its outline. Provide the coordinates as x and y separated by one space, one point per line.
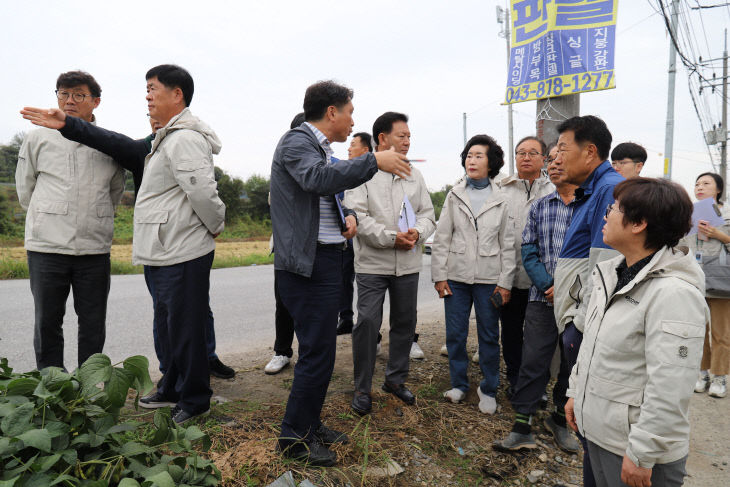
242 300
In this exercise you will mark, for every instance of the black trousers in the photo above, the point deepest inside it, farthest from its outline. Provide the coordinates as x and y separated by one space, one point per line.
313 303
512 320
181 294
284 325
538 348
52 276
348 280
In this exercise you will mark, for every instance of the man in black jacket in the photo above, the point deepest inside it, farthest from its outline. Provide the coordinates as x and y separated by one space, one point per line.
307 220
130 154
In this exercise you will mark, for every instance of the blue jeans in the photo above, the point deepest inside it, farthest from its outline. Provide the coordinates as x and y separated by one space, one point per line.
458 308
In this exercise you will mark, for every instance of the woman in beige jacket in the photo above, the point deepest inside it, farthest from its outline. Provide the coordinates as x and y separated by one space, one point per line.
710 241
473 262
630 388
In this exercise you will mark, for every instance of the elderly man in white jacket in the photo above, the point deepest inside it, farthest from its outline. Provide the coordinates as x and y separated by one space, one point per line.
642 343
177 216
70 192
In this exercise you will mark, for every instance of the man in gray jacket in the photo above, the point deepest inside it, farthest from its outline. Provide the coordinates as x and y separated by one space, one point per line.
177 216
387 258
310 230
70 192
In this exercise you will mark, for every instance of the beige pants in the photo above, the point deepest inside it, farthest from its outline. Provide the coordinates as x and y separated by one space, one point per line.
716 353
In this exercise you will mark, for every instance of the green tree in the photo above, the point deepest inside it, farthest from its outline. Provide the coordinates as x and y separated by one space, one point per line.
9 158
438 198
230 191
256 203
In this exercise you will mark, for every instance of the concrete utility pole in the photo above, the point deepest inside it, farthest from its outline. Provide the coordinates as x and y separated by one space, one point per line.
503 18
464 115
551 112
723 143
669 131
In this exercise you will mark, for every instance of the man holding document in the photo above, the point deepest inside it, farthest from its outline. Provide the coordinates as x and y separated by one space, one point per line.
395 215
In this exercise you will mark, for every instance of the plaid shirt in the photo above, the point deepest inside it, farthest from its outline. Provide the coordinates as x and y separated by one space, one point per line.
547 223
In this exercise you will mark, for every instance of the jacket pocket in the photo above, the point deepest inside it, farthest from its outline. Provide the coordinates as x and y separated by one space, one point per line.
155 219
606 414
103 211
44 223
681 343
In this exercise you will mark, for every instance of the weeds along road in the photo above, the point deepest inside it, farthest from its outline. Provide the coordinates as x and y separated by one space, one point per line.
242 299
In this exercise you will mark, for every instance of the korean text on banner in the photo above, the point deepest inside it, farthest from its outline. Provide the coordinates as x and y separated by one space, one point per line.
561 47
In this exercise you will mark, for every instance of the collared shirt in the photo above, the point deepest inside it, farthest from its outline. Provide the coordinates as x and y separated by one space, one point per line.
627 274
329 225
547 223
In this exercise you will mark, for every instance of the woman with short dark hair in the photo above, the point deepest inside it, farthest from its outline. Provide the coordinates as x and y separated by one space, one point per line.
629 391
473 263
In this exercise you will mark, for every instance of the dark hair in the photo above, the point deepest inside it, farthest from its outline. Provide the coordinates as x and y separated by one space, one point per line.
629 150
73 79
173 76
323 94
384 124
543 147
589 129
664 206
495 154
366 139
719 182
297 120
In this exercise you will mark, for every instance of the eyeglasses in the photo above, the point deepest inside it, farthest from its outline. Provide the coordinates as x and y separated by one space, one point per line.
615 164
77 97
549 159
611 208
524 154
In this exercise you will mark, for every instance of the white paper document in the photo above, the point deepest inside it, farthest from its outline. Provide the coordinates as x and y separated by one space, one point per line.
706 210
407 217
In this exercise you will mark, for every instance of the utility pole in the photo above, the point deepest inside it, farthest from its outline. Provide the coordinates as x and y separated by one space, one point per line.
669 131
723 143
503 18
464 115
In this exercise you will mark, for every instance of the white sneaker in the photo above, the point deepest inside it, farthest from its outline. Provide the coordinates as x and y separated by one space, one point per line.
703 382
378 350
416 352
475 357
444 351
276 363
455 395
487 404
718 386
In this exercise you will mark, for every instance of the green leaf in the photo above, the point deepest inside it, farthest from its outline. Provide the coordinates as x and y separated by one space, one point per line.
139 367
65 478
41 391
49 461
22 468
11 482
122 427
39 480
96 369
5 370
82 439
175 472
127 482
21 386
57 428
54 378
96 440
6 408
132 449
162 479
18 421
8 445
39 439
118 385
69 456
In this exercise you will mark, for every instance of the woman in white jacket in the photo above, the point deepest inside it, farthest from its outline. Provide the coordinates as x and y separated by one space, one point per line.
629 391
473 262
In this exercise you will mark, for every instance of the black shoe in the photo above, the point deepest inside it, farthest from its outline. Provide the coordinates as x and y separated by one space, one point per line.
362 404
515 442
344 327
329 437
159 382
401 392
180 416
220 370
313 453
156 400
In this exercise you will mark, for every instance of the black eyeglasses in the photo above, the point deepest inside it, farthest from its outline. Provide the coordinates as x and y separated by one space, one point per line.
611 208
77 97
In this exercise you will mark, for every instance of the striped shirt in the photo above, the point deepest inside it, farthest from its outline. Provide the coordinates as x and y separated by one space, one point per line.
329 220
547 223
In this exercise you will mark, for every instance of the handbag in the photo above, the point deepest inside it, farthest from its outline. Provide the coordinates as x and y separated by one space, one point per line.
717 273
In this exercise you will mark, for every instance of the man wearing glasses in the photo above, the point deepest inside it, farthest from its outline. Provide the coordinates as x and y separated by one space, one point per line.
521 190
70 192
628 159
